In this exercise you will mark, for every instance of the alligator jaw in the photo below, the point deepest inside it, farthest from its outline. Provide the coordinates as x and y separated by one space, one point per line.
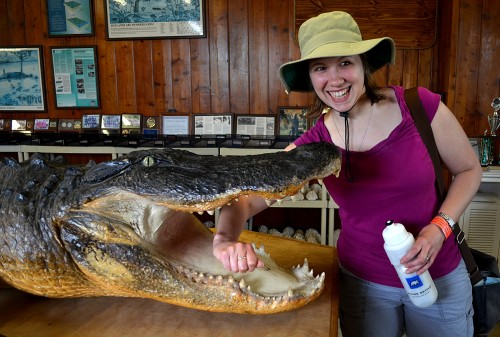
181 248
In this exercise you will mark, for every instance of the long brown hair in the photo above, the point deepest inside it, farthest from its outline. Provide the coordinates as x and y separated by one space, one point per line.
373 92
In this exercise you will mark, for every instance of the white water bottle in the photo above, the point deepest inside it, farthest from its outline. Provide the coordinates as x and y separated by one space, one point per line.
420 288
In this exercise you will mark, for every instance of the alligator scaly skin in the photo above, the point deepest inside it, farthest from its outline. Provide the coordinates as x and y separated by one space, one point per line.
125 228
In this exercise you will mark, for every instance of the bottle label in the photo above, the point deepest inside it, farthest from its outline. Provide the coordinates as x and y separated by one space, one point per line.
414 282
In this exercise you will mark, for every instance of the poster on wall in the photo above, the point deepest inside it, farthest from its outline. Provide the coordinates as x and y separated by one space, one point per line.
175 125
21 79
149 19
213 125
66 18
75 77
253 125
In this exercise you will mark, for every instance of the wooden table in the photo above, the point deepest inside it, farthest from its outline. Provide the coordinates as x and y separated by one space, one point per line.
23 314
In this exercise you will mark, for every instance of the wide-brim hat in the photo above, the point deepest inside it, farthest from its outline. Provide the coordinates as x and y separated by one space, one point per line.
333 34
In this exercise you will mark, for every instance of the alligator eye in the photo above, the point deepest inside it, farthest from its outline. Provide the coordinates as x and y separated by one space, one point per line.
148 161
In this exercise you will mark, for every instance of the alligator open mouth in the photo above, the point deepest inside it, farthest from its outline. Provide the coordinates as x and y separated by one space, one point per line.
126 228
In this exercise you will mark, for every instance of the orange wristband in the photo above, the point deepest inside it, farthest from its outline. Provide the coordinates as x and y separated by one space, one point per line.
443 225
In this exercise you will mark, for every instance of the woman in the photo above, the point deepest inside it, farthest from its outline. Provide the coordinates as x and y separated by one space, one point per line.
387 174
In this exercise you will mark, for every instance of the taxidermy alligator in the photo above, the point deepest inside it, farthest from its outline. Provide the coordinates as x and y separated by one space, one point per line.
126 228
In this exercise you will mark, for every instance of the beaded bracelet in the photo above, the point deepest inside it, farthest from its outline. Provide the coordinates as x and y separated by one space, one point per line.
443 225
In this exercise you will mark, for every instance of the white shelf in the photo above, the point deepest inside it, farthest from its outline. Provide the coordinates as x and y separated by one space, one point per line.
491 174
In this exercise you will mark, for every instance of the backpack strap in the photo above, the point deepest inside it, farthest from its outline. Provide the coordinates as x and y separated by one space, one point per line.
423 126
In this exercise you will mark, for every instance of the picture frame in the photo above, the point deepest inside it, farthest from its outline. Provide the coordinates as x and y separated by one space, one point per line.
158 19
256 125
70 18
45 125
292 121
22 82
75 71
91 122
111 124
213 125
131 124
175 125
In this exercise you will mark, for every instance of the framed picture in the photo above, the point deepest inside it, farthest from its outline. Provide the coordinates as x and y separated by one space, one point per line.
175 125
292 121
131 124
213 125
110 124
45 125
256 125
76 83
91 122
127 19
22 85
70 18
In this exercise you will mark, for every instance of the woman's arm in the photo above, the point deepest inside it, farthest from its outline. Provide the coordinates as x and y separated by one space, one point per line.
459 157
238 256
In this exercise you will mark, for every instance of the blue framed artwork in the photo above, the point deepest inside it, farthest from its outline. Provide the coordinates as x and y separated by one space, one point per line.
127 19
75 73
22 85
68 18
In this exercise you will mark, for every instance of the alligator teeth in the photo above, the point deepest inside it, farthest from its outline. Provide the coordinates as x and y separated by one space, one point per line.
320 181
211 212
293 197
201 212
290 292
311 272
242 284
268 202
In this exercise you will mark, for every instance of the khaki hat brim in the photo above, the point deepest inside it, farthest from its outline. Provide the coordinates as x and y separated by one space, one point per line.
295 75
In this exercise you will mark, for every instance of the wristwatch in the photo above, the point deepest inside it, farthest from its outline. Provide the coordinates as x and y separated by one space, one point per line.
448 219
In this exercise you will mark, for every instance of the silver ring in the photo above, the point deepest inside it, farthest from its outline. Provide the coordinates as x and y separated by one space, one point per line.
427 259
242 257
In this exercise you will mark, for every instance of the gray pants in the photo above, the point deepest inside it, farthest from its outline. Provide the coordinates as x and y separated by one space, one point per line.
370 309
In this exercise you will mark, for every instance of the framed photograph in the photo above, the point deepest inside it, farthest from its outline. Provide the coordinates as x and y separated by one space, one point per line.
22 84
70 18
76 83
45 125
150 19
256 125
110 124
22 125
175 125
213 125
91 122
131 124
292 121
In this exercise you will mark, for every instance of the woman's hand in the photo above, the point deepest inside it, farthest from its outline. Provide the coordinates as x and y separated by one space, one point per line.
423 253
235 256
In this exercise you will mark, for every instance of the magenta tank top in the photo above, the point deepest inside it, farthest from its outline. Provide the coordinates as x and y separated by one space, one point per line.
394 180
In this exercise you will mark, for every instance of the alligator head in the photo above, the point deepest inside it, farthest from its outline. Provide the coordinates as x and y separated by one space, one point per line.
126 228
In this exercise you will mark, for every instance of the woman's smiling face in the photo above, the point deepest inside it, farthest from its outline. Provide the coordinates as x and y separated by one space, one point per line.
338 81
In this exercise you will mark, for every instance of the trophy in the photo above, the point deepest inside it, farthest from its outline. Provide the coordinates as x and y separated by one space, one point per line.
493 120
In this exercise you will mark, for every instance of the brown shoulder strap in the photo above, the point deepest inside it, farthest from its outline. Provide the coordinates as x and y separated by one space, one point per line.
424 128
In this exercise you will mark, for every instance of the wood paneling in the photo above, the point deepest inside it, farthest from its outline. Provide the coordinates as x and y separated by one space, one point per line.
412 24
234 69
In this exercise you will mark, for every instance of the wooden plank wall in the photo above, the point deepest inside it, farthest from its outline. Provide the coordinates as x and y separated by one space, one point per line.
234 69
